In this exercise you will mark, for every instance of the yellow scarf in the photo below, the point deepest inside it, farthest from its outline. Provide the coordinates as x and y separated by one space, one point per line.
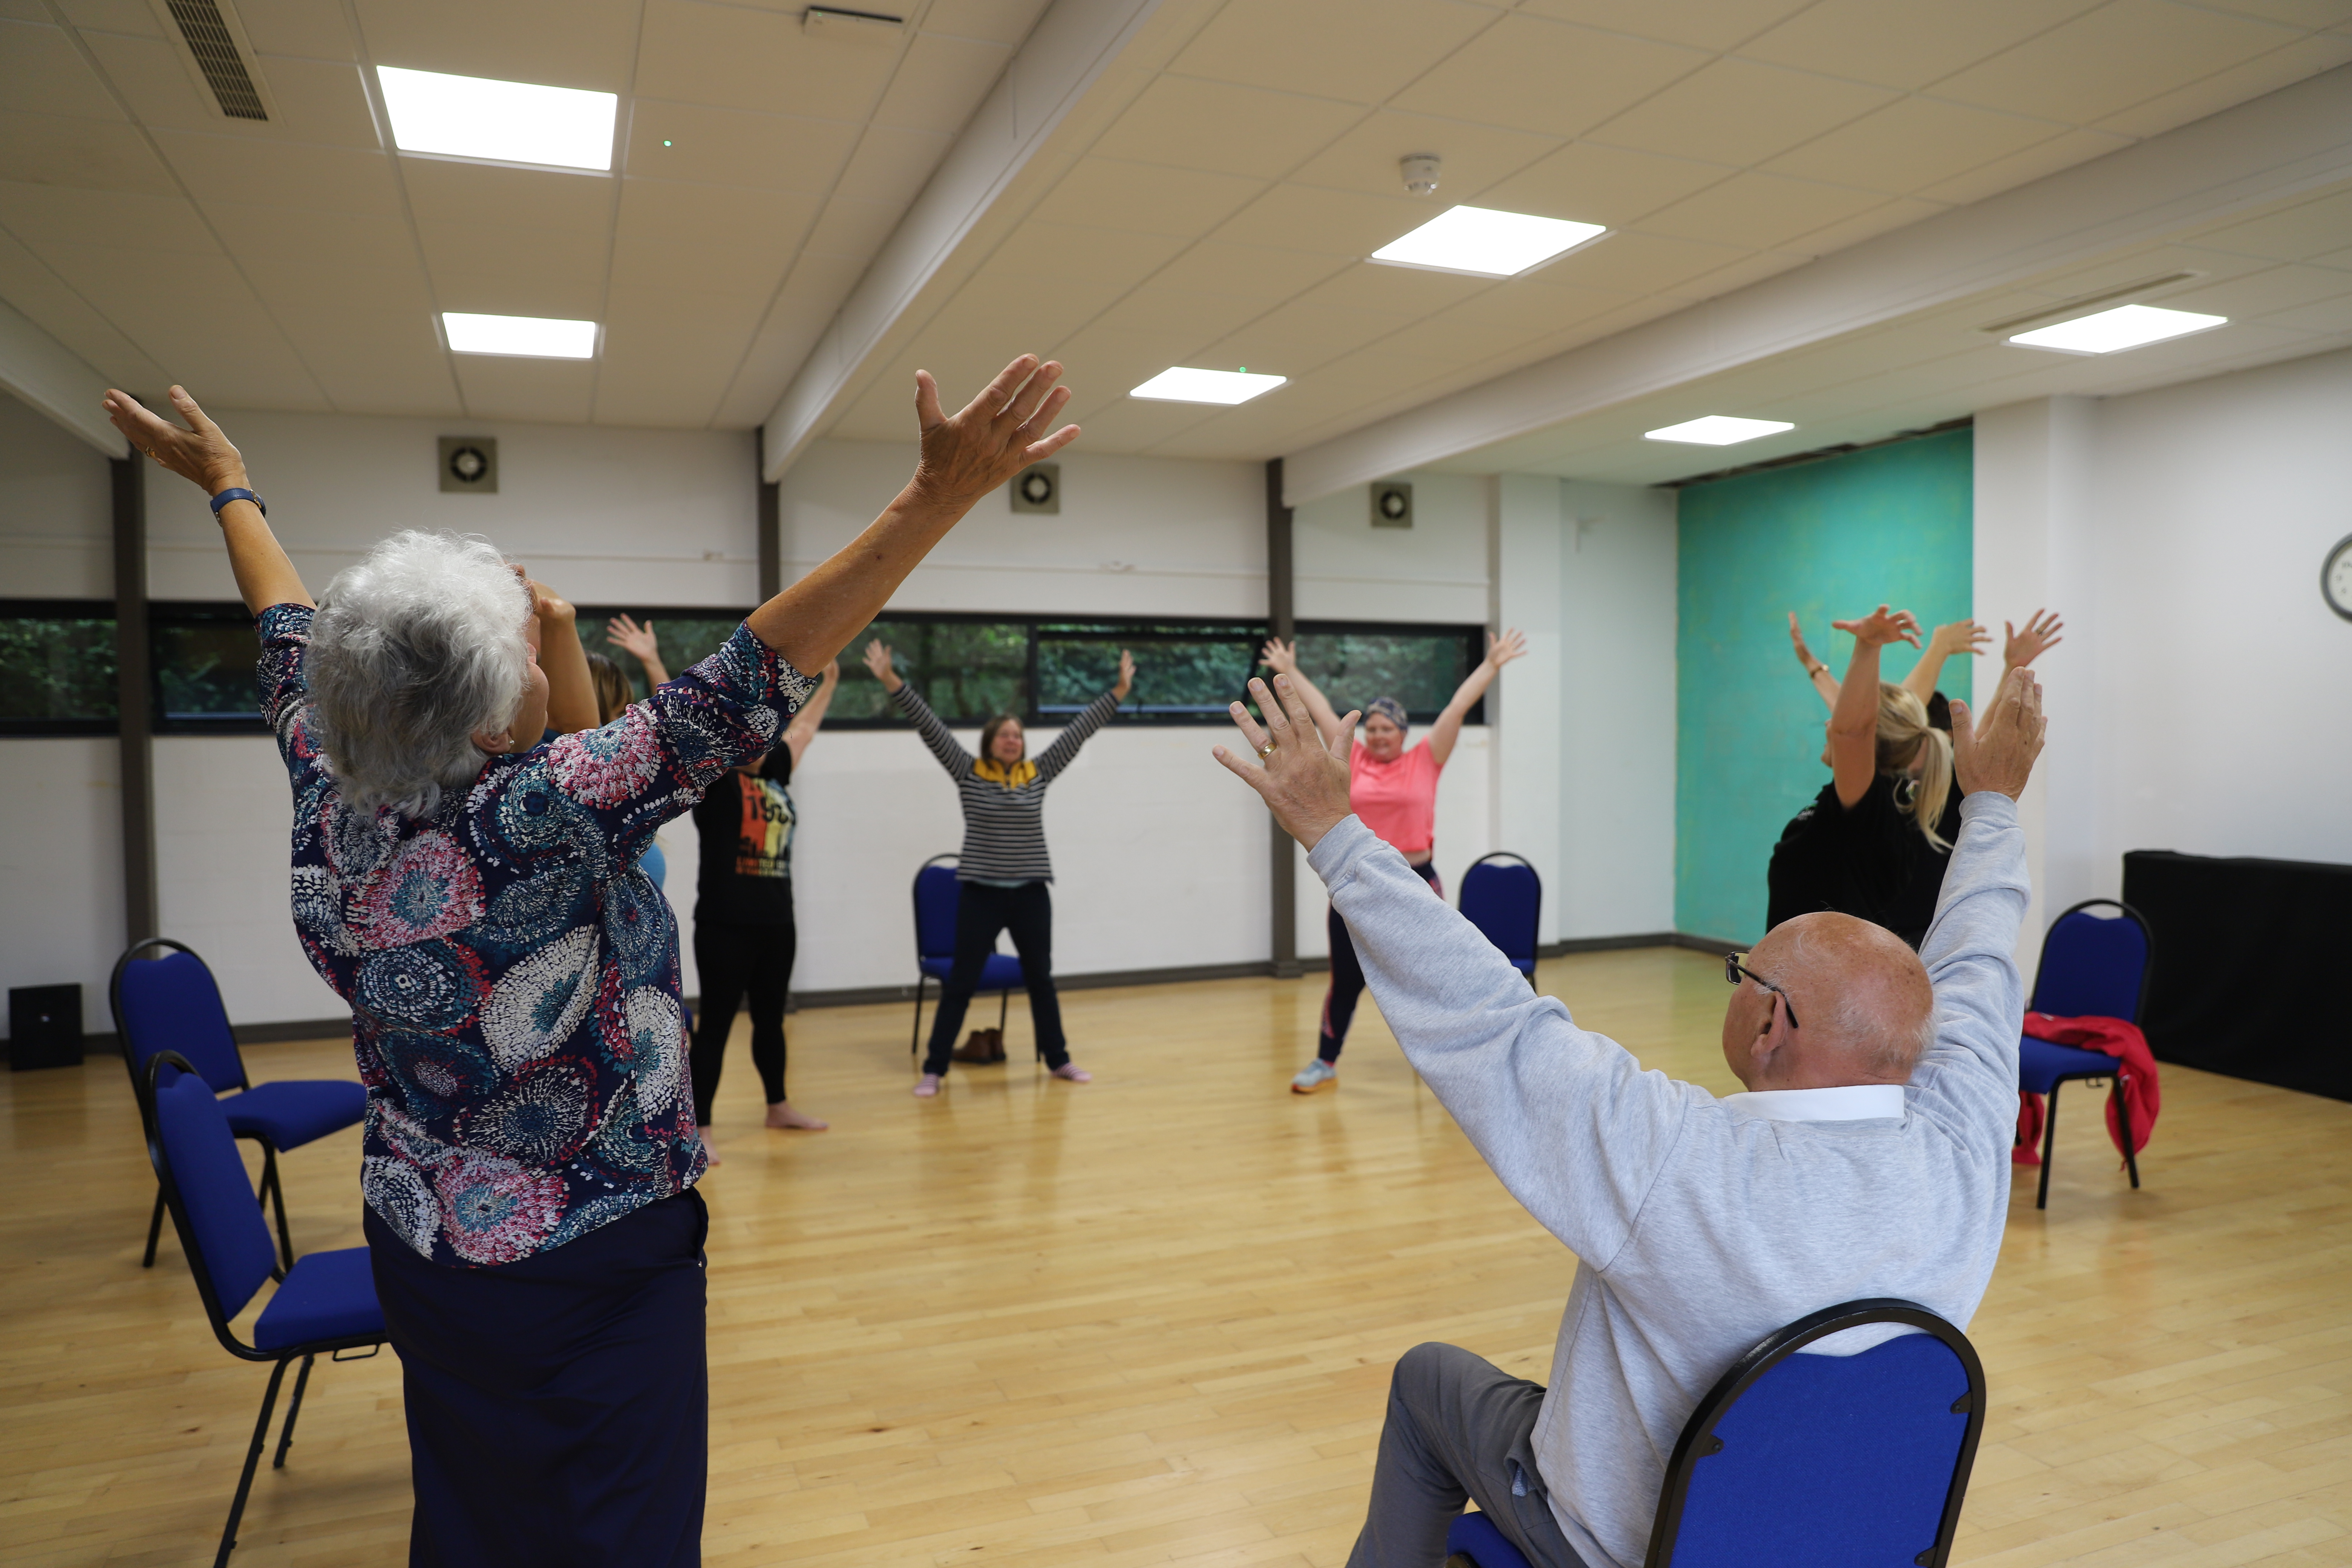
1013 777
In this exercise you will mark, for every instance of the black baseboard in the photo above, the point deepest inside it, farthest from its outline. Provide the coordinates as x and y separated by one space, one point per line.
1605 944
1714 944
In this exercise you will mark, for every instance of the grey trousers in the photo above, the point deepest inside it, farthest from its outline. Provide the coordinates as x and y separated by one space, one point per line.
1458 1427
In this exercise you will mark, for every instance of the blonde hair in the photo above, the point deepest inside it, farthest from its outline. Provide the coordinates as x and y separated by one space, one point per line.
613 693
1903 731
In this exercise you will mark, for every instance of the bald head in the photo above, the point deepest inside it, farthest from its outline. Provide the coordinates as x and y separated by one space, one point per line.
1867 1009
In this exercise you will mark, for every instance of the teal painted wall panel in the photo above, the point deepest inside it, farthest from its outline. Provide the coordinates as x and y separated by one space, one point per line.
1830 540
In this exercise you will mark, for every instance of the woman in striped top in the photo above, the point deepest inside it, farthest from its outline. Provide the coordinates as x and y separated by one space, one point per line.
1004 869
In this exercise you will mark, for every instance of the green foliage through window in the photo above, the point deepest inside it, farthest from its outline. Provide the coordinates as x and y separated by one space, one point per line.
204 663
56 668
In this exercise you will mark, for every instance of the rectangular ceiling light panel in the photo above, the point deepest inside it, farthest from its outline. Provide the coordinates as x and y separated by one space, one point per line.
2111 332
1179 384
507 121
522 337
1717 430
1486 243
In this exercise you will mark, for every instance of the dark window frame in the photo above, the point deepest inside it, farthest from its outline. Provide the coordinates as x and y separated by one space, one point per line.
163 616
27 727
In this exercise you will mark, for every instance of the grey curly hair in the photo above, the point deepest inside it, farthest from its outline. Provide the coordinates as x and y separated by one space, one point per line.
413 651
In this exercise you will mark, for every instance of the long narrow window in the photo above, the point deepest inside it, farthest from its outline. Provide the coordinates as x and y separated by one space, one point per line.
203 673
57 667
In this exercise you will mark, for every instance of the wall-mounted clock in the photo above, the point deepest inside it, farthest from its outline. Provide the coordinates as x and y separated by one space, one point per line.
2336 577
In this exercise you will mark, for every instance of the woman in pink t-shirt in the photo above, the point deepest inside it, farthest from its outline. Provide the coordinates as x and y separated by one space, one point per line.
1393 789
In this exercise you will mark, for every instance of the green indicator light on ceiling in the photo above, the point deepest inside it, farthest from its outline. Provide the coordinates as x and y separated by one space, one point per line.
665 143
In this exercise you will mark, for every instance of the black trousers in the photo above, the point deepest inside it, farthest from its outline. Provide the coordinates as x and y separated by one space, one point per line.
559 1407
1347 974
982 911
736 961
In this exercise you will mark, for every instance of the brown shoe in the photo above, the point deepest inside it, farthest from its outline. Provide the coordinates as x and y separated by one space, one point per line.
995 1044
974 1049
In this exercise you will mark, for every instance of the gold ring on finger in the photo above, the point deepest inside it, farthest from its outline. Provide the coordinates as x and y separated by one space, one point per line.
1266 750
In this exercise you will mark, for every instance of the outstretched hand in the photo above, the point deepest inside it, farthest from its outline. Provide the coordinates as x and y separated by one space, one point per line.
1797 641
200 454
1501 650
878 660
1303 782
2000 756
994 436
2040 635
1882 626
1280 657
631 638
1126 675
1960 637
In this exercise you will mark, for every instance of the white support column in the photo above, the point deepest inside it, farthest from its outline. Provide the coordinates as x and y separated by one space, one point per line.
42 373
1525 709
2034 549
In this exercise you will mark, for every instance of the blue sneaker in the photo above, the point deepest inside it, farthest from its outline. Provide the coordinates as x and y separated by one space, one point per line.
1316 1075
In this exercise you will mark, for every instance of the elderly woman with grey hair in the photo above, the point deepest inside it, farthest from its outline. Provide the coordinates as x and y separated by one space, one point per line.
530 1149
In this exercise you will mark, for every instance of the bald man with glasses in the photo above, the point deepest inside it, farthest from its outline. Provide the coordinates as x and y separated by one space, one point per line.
1867 1156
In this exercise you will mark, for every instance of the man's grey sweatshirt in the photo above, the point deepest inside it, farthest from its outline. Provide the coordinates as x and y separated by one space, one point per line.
1699 1228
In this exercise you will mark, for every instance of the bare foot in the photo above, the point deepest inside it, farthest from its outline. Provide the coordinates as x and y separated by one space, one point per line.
928 1086
782 1115
1073 1072
710 1150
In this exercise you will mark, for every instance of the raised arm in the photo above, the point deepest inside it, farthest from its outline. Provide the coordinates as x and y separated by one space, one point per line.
1854 721
964 457
203 456
2022 647
1282 658
1954 636
1500 651
571 690
1093 717
638 641
1815 670
909 701
803 727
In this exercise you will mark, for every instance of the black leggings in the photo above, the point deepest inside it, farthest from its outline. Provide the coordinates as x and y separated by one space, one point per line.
982 911
1348 975
735 960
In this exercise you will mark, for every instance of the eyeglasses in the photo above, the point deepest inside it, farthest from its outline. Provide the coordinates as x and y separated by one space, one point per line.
1735 969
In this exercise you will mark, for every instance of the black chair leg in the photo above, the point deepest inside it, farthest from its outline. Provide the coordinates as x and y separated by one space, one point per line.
276 1191
154 1230
252 1460
293 1409
2049 1143
2122 1120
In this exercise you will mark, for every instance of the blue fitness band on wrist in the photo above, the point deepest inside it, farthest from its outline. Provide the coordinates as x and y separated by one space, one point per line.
225 497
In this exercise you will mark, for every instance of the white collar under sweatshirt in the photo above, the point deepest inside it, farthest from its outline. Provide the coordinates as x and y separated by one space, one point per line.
1701 1225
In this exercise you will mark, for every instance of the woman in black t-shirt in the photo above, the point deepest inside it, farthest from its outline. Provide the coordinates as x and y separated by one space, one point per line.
744 938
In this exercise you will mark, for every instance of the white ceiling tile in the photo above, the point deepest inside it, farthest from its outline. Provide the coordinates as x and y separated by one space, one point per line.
1589 183
135 17
853 230
319 244
798 316
496 199
2222 90
590 44
2294 233
1138 424
1104 192
735 147
1245 271
1331 223
1702 24
41 72
1474 157
147 72
2339 260
707 239
891 166
313 29
40 215
260 171
2041 159
2293 13
382 358
998 21
1913 143
1753 267
511 278
1900 213
2124 53
1757 211
1103 362
1225 129
1536 75
2329 316
2264 293
1358 50
1736 112
27 11
1176 320
1905 43
33 287
731 57
668 351
230 343
543 391
319 101
1292 340
1070 274
939 82
1631 262
57 150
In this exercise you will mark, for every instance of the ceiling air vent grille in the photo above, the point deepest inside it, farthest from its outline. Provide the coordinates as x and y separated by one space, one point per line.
215 49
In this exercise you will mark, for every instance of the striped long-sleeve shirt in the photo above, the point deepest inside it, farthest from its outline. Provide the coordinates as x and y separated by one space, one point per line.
1004 826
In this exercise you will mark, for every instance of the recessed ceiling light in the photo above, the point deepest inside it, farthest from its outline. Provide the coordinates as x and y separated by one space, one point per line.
525 337
1718 430
1486 243
2124 327
511 122
1179 384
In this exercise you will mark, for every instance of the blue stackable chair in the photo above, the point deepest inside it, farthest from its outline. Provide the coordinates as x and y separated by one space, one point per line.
170 1002
937 894
1814 1461
1503 897
325 1303
2092 966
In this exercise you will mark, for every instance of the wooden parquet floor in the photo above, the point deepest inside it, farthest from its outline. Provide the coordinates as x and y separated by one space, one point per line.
1150 1320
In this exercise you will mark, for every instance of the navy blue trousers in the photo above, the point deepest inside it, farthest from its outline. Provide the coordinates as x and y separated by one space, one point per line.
559 1407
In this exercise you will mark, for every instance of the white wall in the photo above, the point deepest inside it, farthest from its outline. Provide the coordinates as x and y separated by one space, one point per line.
2197 702
61 866
56 510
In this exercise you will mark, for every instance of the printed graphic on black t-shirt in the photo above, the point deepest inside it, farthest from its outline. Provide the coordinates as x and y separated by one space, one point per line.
745 824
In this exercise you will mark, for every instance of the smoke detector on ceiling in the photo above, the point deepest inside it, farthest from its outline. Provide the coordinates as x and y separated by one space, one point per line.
1420 174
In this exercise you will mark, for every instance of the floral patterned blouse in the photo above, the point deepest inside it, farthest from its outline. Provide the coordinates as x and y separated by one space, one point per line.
512 975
